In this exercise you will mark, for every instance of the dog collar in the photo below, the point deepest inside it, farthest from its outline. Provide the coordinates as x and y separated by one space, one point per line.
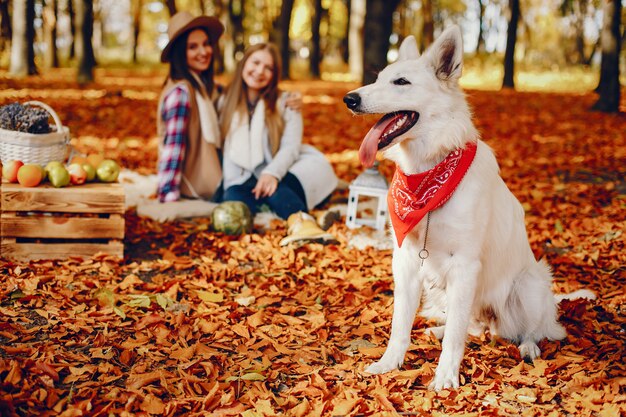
411 197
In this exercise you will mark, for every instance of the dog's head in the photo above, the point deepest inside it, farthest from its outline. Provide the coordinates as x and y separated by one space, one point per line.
414 91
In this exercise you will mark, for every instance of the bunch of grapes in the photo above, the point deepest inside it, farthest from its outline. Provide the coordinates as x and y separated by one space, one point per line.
20 118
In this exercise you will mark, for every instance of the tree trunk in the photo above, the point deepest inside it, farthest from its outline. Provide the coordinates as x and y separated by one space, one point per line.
84 47
609 86
480 44
50 13
315 40
355 38
72 14
30 36
345 43
19 47
218 56
137 6
171 6
428 30
236 14
511 39
5 24
285 22
378 26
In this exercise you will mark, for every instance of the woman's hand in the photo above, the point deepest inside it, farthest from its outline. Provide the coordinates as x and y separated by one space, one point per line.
294 100
265 186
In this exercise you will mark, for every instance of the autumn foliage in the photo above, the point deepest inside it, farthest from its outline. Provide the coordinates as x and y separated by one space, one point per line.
192 322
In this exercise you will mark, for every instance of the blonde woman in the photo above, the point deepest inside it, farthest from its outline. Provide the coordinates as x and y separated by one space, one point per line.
265 161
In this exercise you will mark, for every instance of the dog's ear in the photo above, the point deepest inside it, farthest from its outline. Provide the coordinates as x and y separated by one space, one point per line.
446 54
408 49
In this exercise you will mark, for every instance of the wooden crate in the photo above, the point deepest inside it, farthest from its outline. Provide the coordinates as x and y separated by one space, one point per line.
55 223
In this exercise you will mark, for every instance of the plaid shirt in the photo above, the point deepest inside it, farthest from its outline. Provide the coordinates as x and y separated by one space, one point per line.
175 113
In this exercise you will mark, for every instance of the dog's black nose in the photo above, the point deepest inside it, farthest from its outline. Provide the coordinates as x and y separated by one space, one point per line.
352 100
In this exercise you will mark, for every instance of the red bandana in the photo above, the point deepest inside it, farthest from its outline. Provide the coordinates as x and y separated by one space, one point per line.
411 197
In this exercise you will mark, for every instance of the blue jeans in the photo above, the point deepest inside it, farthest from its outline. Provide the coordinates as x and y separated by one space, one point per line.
287 199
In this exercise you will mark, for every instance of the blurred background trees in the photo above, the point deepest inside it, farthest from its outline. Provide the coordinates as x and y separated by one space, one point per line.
328 39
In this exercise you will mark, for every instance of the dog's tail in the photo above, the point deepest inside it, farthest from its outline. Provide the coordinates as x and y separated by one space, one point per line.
586 294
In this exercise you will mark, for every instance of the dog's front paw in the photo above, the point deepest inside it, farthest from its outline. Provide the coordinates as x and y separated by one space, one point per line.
445 378
381 367
529 350
392 359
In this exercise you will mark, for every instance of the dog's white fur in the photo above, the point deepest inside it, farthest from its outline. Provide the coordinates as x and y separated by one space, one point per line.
481 272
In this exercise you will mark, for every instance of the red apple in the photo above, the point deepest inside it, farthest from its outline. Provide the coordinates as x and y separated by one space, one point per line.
9 170
78 175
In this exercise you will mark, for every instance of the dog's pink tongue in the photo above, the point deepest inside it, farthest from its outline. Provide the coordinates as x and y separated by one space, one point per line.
369 146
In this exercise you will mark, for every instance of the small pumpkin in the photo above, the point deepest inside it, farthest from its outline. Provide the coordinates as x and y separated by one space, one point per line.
232 218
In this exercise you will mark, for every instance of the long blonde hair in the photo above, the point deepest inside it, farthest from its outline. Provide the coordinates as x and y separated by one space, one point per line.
236 95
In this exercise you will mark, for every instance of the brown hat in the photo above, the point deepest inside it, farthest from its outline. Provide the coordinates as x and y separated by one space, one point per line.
184 21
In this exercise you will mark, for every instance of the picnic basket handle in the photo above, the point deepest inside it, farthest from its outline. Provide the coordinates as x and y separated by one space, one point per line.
54 114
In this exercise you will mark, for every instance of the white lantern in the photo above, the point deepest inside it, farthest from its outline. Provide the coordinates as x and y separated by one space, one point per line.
371 185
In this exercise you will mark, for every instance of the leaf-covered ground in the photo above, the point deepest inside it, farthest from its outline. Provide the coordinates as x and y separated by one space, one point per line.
195 323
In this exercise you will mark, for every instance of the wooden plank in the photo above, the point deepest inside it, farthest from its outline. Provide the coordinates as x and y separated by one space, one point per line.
87 198
25 252
38 226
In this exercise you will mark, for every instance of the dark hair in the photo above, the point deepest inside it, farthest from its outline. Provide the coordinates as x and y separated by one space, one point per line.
178 63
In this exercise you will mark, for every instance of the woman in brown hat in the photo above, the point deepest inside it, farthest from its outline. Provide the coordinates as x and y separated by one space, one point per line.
190 154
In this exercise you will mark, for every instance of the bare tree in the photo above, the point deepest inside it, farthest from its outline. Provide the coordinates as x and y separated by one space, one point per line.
84 46
378 25
315 39
356 41
218 57
22 51
171 6
72 14
511 39
284 23
609 86
51 57
428 31
5 24
480 44
345 44
136 7
236 15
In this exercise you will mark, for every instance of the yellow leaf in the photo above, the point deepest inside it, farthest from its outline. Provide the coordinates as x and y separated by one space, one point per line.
119 312
253 376
105 297
210 297
250 376
139 300
162 301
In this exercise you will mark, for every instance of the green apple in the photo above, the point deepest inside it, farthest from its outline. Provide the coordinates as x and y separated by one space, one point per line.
44 173
108 170
90 170
52 164
59 176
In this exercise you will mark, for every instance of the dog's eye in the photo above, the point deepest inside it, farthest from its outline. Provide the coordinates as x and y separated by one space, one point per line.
401 81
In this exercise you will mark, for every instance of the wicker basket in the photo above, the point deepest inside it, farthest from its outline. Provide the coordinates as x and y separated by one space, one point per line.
36 148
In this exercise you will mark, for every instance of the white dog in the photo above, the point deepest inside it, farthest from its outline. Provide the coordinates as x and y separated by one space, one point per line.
468 260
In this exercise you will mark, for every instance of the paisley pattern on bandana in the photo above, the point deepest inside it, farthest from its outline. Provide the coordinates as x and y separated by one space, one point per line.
411 197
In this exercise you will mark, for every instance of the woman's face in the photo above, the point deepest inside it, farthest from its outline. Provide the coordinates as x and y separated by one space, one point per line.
199 51
258 70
